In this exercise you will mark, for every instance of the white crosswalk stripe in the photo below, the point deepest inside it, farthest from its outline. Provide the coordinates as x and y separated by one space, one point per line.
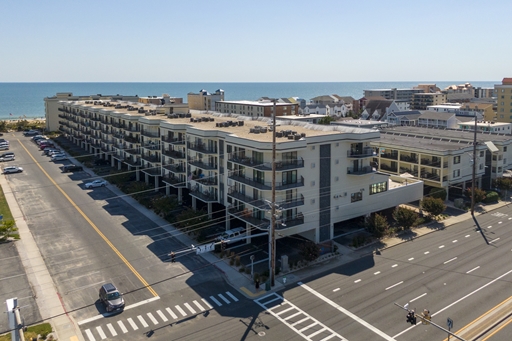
152 318
100 331
224 299
123 328
134 326
215 301
173 315
198 305
142 321
190 308
207 304
162 315
232 296
89 335
181 311
112 330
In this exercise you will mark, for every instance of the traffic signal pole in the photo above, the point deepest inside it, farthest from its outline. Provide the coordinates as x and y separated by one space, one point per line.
423 319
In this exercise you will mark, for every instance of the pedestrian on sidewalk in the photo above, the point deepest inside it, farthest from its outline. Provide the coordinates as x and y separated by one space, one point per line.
257 284
173 257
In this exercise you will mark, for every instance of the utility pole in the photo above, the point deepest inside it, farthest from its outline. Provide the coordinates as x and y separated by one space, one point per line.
273 208
15 321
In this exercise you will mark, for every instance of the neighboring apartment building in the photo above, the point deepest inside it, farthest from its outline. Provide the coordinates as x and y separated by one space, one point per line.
434 119
459 93
203 100
401 95
161 100
504 100
420 101
443 157
487 126
255 109
484 92
324 174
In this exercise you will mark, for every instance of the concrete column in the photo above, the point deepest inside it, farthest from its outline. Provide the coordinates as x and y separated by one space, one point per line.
167 189
156 183
180 194
194 203
137 173
209 210
119 164
228 219
248 233
146 178
112 161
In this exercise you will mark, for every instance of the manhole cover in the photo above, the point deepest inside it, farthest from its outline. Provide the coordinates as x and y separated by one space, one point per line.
262 334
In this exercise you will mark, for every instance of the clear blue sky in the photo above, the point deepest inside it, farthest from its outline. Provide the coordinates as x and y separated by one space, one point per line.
255 41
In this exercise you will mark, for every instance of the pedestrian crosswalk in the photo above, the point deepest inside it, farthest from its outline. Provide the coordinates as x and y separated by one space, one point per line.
297 319
166 315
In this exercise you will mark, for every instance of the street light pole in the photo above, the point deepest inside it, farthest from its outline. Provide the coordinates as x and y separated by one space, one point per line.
473 182
273 208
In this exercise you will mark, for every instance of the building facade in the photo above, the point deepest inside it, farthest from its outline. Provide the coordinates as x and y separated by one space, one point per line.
504 100
203 100
420 101
255 109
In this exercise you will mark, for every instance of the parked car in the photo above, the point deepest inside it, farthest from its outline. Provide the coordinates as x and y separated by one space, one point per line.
232 235
8 153
31 133
58 152
12 169
72 168
111 297
4 146
38 137
51 151
96 183
59 157
44 145
7 158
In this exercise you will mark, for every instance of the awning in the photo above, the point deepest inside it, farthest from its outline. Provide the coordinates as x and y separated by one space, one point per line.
492 148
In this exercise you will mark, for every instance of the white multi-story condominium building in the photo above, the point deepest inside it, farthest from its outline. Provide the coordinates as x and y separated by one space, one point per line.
204 100
400 95
443 157
324 174
257 109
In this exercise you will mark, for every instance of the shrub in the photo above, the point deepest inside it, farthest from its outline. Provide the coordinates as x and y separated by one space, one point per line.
377 225
165 203
439 193
231 261
479 194
237 260
7 229
242 269
309 250
491 197
248 270
358 240
405 217
433 206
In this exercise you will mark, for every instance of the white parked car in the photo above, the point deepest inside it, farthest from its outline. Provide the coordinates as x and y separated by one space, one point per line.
4 146
7 158
12 169
96 183
59 157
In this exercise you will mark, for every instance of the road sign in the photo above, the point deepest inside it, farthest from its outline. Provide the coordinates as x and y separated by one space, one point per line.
449 323
204 248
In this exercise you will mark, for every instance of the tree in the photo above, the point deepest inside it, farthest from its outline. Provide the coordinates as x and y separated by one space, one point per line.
165 204
190 220
377 225
405 217
310 251
437 192
6 229
479 194
504 184
326 120
433 206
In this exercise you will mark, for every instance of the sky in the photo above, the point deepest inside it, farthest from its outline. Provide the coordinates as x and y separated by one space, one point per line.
254 41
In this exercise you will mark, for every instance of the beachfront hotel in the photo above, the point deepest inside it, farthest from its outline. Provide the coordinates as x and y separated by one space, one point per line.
325 175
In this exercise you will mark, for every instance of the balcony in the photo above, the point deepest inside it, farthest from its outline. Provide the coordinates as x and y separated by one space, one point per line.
208 181
134 163
131 139
410 159
388 168
151 158
204 195
150 133
151 146
173 140
361 170
391 156
434 163
291 222
356 154
265 186
174 181
152 171
246 215
430 176
93 118
93 127
175 168
117 125
267 166
202 165
108 141
132 128
174 154
291 203
248 200
133 151
202 148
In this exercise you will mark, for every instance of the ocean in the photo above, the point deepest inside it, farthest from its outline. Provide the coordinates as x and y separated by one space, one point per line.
26 100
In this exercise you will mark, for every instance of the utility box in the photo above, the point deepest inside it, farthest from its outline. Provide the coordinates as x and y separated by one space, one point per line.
285 267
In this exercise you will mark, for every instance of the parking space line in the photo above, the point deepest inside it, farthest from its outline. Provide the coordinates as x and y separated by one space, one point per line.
112 330
232 296
198 305
89 335
134 326
152 318
293 315
207 304
100 331
224 298
189 308
181 311
162 316
123 328
215 301
173 315
142 321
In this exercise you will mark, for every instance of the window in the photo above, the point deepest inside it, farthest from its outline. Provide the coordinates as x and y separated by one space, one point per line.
312 201
378 187
357 196
456 173
456 159
505 148
482 153
481 167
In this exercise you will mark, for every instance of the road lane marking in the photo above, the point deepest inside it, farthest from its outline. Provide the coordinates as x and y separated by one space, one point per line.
494 240
467 235
459 300
112 330
123 328
215 301
472 269
189 307
224 298
441 246
426 252
134 326
284 311
100 331
307 327
348 313
142 321
292 316
89 335
394 285
198 305
376 273
97 317
300 321
173 315
455 241
410 259
450 260
394 265
490 226
417 298
357 281
152 318
109 243
499 222
207 304
337 289
232 296
181 311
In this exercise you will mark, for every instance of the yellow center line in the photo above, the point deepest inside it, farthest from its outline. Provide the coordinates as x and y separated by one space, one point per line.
497 330
143 281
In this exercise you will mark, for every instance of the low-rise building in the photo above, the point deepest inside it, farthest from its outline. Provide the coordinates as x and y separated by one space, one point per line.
420 101
204 100
255 109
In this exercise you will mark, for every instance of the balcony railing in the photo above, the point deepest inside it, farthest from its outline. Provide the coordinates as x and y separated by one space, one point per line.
151 158
286 204
203 195
265 185
153 171
366 152
175 168
291 222
246 216
173 140
135 163
131 139
431 163
208 181
174 154
361 170
258 164
128 128
150 133
246 199
201 147
174 181
151 146
203 165
388 168
411 159
391 156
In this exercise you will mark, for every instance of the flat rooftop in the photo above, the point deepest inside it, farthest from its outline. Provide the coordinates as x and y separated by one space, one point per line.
448 134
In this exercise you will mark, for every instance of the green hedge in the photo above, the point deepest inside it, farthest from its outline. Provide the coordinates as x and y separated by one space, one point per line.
491 197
